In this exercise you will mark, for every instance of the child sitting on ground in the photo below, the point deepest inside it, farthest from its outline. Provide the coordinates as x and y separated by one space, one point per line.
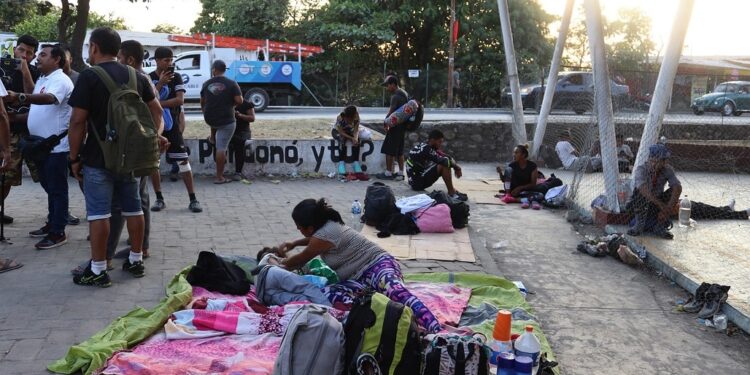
346 131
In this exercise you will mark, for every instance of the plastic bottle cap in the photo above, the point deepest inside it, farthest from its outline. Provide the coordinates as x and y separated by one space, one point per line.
529 328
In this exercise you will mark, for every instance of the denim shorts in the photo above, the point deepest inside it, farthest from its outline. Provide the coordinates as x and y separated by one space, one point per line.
101 186
224 135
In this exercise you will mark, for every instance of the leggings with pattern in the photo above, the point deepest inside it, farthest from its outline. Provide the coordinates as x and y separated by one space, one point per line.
385 277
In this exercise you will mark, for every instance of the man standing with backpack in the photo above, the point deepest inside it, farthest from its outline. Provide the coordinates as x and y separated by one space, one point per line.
393 145
103 181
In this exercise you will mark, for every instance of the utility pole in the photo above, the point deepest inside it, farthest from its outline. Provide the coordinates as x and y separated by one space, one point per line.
603 102
519 125
451 53
667 72
549 91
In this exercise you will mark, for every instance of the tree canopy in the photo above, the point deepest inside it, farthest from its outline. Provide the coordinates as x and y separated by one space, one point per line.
44 26
166 28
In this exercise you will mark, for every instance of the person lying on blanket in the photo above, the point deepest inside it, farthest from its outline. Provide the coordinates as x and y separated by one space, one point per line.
351 255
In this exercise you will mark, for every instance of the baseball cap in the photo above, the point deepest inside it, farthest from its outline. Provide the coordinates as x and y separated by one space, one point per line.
219 65
390 80
659 151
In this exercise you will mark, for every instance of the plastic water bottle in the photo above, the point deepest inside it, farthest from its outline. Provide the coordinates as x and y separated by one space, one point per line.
356 215
720 322
684 215
527 345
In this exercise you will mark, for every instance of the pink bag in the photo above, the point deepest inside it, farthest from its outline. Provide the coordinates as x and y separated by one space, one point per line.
435 219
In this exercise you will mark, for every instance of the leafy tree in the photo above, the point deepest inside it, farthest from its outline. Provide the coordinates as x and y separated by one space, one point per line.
44 27
166 28
13 12
264 19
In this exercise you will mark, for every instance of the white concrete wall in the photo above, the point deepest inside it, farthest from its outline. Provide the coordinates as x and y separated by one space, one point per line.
286 157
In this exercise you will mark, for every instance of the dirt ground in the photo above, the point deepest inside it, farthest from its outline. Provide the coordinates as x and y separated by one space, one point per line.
275 129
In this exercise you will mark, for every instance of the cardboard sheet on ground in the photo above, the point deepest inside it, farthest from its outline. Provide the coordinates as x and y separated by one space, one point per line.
454 246
479 191
219 354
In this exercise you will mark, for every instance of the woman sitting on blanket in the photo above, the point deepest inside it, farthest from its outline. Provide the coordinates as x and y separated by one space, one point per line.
522 174
351 255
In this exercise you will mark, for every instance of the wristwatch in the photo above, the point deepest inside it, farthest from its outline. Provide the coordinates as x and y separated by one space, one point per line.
22 98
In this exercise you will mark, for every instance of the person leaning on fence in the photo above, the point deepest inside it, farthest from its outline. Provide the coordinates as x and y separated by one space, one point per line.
90 102
219 97
650 203
570 157
49 115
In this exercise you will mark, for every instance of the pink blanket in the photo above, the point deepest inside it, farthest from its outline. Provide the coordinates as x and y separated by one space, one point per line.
446 301
231 354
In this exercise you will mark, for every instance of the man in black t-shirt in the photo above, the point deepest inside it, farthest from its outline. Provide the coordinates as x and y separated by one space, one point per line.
393 145
245 114
427 163
21 80
100 186
171 97
219 97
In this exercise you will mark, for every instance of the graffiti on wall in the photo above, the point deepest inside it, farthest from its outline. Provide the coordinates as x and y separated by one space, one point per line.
293 153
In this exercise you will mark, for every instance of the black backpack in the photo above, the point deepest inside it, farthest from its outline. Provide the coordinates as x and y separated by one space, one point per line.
217 275
459 209
380 204
381 333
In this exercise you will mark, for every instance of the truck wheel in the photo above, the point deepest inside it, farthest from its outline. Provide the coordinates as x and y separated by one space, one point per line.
258 97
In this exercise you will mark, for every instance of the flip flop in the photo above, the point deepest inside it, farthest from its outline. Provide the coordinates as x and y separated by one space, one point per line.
9 265
224 181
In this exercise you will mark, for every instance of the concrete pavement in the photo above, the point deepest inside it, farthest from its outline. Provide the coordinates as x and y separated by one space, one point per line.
600 316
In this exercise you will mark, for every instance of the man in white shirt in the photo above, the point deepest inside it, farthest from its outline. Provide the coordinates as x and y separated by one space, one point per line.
569 155
49 115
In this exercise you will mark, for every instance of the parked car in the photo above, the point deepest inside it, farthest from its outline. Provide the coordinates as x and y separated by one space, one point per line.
574 90
728 98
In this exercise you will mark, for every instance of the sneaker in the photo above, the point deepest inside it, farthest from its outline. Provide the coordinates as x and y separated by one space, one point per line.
41 232
398 177
89 278
158 205
136 268
73 220
715 296
51 241
195 206
383 176
7 219
697 301
237 177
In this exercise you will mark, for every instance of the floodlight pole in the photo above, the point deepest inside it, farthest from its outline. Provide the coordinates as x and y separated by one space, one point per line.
665 81
519 126
603 102
549 91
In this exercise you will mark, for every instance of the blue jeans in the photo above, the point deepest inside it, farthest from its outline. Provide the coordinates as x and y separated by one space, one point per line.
101 187
53 176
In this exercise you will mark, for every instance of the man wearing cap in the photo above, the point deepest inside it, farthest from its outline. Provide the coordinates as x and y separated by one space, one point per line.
393 145
171 91
219 96
651 204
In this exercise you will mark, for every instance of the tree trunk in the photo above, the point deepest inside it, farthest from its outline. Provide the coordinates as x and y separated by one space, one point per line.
79 34
63 22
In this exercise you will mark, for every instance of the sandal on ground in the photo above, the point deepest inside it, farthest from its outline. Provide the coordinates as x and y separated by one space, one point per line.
9 265
223 181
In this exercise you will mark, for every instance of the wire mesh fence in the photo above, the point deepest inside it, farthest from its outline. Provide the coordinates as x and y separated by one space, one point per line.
704 128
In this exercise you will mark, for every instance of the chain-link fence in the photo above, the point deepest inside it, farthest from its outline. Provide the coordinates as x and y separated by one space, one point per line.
706 128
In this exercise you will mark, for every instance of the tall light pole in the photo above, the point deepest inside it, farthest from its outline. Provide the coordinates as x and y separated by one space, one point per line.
451 53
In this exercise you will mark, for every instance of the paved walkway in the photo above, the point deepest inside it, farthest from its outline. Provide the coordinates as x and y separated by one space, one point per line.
598 314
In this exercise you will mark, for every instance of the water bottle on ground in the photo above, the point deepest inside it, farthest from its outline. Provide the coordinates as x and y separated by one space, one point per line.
527 345
356 222
684 216
720 322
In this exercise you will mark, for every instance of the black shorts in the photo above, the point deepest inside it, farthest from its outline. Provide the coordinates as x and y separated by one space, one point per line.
237 142
393 145
177 150
427 178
